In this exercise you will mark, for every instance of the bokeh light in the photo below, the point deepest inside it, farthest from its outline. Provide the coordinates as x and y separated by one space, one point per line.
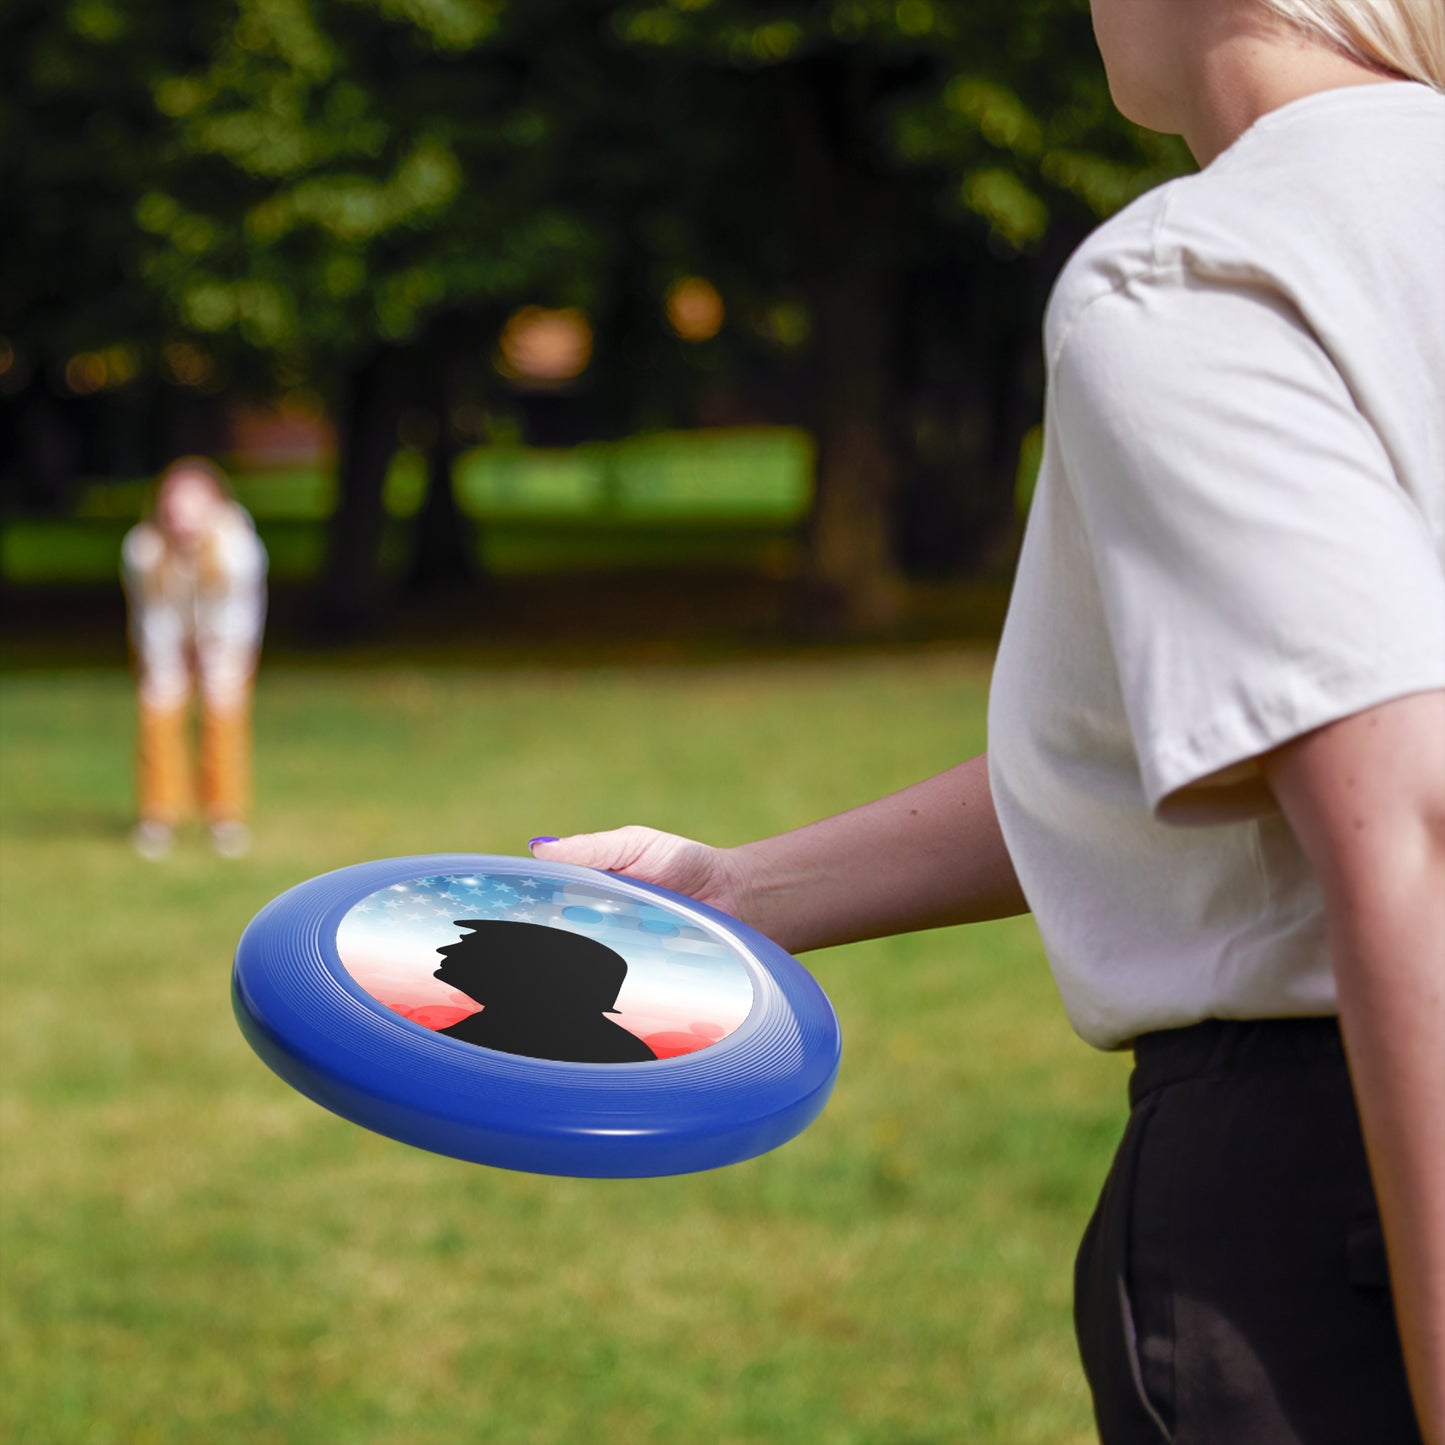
695 310
88 372
544 347
186 364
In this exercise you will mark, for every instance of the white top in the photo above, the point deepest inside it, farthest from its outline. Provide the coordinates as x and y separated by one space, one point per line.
196 619
1238 536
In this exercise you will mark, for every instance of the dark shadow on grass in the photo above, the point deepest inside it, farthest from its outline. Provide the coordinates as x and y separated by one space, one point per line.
67 825
578 620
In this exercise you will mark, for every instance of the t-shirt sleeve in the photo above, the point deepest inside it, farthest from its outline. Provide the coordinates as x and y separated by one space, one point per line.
1263 571
140 554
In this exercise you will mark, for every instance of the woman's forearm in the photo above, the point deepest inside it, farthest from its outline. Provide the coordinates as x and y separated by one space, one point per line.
1366 799
1389 955
926 857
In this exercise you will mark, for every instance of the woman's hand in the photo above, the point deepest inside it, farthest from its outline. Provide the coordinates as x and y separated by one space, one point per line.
711 875
927 857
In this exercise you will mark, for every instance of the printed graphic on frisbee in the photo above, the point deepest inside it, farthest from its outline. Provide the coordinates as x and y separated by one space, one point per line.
525 965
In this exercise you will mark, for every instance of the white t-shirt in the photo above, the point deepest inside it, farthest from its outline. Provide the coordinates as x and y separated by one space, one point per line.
191 622
1238 536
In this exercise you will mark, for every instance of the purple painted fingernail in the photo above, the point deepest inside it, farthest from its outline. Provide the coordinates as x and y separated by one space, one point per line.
532 843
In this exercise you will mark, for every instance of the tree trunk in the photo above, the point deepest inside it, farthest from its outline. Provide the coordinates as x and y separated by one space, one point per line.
852 563
46 450
851 264
442 558
974 387
444 552
350 601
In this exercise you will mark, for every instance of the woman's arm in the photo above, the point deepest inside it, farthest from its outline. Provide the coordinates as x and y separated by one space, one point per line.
1366 799
926 857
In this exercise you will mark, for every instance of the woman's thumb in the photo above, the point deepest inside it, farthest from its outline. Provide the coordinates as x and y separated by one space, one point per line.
611 851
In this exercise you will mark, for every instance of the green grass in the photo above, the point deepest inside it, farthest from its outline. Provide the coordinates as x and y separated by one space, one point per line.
734 498
87 550
192 1252
758 473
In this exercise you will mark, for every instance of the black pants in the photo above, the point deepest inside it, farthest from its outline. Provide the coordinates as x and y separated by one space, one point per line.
1231 1288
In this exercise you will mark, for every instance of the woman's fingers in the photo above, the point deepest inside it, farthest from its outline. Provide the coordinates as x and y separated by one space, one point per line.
615 851
681 864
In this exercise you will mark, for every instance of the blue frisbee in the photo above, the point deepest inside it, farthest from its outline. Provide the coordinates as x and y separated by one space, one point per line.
535 1016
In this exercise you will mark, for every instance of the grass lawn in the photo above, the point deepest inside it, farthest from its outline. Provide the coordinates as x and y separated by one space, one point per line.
193 1253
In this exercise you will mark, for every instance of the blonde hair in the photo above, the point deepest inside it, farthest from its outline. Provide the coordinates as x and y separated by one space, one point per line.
1404 37
211 573
203 466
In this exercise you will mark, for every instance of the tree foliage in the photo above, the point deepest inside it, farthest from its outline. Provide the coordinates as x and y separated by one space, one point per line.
353 194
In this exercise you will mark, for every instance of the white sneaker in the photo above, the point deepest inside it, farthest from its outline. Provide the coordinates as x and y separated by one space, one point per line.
152 840
231 839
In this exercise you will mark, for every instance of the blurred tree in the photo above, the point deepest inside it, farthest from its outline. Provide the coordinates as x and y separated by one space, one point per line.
356 194
79 139
361 192
919 168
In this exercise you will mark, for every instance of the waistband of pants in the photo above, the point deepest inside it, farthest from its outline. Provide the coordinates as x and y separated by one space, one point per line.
1227 1046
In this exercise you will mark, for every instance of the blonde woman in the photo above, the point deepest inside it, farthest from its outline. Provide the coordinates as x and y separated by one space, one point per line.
195 583
1217 734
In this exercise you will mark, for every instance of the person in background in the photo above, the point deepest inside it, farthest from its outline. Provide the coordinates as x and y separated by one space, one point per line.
1216 766
195 583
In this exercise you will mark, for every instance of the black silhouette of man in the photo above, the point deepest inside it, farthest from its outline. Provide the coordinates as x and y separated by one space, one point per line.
544 993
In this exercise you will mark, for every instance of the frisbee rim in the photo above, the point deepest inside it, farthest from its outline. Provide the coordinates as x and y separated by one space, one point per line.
737 1097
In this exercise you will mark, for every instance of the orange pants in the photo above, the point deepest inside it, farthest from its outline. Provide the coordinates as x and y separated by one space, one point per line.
163 762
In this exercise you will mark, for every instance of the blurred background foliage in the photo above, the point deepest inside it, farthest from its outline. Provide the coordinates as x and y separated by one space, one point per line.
442 224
